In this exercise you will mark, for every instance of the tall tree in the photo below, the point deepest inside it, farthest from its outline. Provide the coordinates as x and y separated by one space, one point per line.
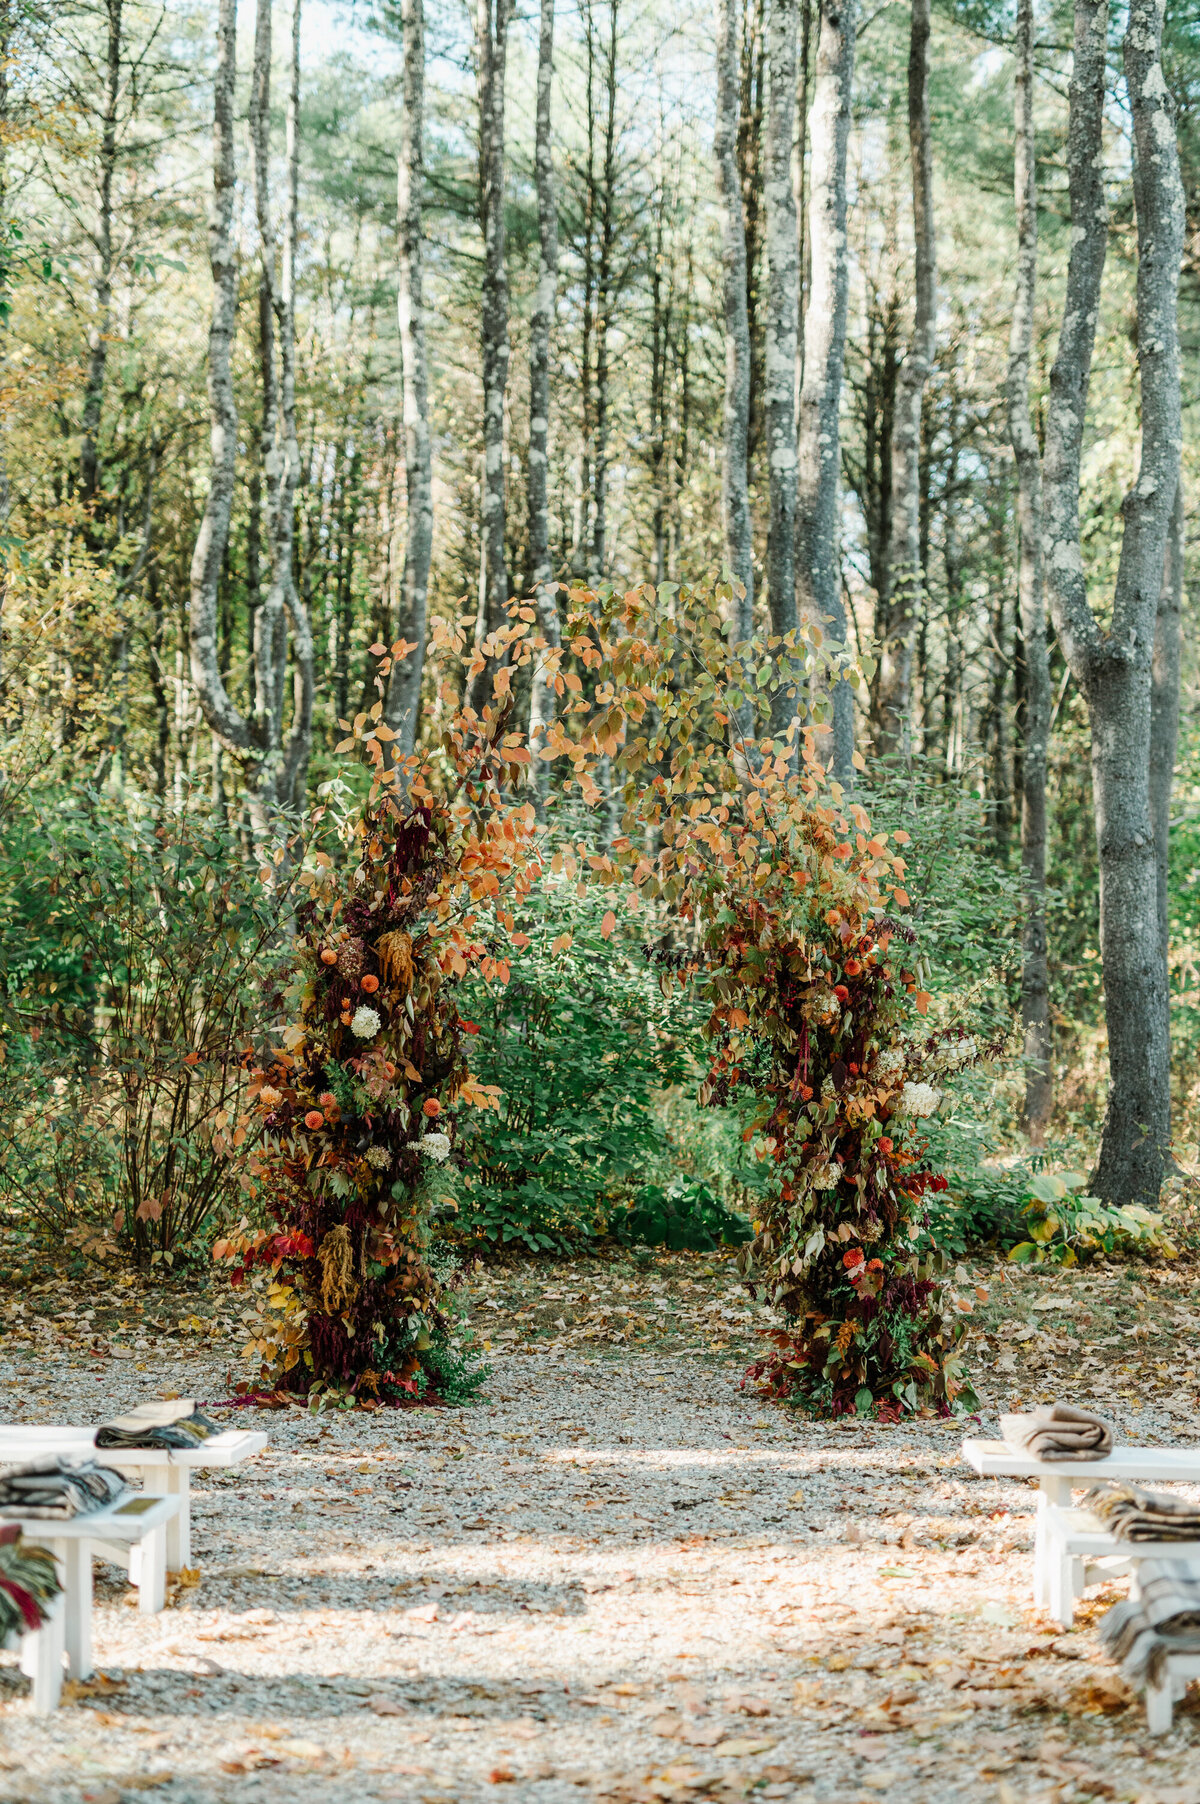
735 482
902 576
605 285
1035 981
492 19
1113 667
275 769
404 685
818 561
100 328
541 326
1164 712
783 313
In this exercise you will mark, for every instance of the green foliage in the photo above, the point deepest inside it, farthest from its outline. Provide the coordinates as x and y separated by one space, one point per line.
582 1045
1065 1226
684 1215
982 1203
137 946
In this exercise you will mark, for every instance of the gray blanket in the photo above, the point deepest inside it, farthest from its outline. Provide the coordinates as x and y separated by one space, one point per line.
55 1490
1141 1632
176 1424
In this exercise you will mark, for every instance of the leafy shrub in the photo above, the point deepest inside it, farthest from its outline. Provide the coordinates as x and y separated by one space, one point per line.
685 1214
1065 1226
582 1044
982 1203
136 948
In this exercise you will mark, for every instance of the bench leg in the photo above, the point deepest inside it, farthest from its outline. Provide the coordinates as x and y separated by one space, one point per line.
1160 1703
174 1481
41 1660
152 1573
77 1585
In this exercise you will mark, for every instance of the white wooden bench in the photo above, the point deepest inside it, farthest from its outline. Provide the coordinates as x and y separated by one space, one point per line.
1057 1571
164 1472
140 1522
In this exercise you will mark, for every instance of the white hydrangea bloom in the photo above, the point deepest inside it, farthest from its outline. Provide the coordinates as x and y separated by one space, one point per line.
366 1023
379 1157
827 1175
434 1146
890 1062
919 1100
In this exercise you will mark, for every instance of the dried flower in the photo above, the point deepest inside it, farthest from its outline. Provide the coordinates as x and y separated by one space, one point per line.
431 1106
434 1146
328 956
352 958
365 1023
369 984
269 1097
379 1157
919 1100
826 1174
314 1119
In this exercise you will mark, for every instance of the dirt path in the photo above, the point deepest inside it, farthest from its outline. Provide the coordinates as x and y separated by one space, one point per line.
618 1578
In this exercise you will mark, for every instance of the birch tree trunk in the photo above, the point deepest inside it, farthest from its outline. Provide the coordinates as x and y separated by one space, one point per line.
1114 668
299 745
1035 984
101 326
604 301
404 686
783 312
902 571
541 325
1164 711
491 52
818 561
735 496
233 730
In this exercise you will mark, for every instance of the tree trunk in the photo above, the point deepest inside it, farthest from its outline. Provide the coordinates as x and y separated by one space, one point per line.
1164 711
752 71
234 732
783 311
604 300
299 744
735 496
1113 668
98 331
1035 983
491 51
902 573
541 325
404 686
7 29
818 562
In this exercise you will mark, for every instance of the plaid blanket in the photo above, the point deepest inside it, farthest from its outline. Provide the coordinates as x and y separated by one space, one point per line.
1141 1632
1059 1431
176 1424
1134 1514
58 1489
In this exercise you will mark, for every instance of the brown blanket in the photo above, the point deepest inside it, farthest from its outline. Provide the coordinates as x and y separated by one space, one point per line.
1059 1431
1132 1513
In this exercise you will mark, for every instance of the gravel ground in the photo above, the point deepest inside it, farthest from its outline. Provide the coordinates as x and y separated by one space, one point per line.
618 1577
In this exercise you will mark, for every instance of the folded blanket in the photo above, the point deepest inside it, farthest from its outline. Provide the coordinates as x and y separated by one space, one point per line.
1059 1431
1132 1513
1141 1632
175 1424
58 1489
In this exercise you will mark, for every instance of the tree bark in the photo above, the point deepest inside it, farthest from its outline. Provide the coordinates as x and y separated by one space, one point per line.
404 685
299 744
604 301
1038 1045
542 697
225 720
1114 668
735 496
1164 712
491 52
783 312
98 331
902 572
818 561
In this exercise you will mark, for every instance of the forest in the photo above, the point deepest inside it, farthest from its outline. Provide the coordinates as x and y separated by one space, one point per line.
597 703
